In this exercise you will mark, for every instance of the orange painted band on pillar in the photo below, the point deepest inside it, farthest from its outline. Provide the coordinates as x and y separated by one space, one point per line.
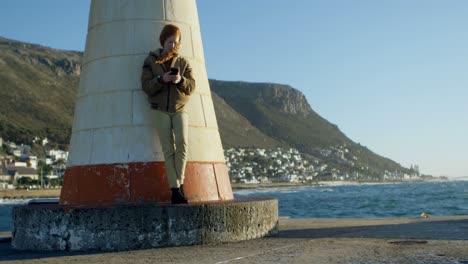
142 182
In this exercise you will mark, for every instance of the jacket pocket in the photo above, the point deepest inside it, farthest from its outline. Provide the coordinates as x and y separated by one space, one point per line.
182 98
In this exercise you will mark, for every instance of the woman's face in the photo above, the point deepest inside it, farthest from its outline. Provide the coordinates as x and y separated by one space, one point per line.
170 43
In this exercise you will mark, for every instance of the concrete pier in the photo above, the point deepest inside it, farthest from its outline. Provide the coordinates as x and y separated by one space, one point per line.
53 227
437 240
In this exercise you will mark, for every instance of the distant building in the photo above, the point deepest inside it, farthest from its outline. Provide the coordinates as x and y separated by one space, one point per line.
24 148
33 162
6 186
5 177
1 142
251 181
20 164
19 172
263 179
45 141
289 178
58 154
260 152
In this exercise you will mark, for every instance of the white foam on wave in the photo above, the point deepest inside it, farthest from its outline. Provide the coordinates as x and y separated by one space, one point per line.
13 201
266 190
276 190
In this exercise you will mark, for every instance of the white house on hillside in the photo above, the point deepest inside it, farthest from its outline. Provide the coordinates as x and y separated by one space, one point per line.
19 172
3 175
58 154
20 164
33 161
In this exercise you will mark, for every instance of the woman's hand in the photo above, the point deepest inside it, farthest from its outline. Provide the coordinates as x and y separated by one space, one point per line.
168 77
177 79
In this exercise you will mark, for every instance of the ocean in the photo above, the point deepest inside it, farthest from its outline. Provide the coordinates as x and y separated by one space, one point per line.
349 201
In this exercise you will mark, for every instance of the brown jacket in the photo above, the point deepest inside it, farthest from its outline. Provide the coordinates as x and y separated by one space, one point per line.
167 97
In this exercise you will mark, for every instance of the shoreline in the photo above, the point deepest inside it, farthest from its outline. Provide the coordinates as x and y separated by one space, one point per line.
29 194
55 193
240 186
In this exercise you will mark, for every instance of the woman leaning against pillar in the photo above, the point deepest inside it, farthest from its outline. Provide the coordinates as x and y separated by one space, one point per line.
168 82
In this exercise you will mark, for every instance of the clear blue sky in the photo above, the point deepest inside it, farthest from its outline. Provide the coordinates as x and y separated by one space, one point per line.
391 74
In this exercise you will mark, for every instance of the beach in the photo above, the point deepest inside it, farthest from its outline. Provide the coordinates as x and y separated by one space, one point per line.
28 194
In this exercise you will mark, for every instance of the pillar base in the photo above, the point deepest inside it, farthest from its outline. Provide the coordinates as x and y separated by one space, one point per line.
142 182
54 227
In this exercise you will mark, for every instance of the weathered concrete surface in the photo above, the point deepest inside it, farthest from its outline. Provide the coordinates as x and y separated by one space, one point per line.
399 240
127 227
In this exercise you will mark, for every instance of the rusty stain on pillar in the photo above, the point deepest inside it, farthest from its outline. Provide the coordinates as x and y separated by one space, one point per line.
115 155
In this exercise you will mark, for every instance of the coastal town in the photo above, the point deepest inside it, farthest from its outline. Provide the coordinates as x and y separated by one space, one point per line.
21 168
289 165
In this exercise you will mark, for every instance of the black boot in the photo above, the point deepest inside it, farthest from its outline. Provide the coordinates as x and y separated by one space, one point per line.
182 190
178 197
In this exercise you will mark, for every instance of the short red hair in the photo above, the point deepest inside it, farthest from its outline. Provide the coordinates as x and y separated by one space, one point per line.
168 31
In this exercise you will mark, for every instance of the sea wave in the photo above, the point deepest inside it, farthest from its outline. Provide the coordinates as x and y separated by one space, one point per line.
13 201
282 190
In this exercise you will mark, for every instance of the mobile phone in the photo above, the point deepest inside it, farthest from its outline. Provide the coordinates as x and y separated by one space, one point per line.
174 71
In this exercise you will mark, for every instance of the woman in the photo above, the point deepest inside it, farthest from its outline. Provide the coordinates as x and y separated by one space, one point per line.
168 81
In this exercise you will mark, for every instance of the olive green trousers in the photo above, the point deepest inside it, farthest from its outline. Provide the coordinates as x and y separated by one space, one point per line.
173 135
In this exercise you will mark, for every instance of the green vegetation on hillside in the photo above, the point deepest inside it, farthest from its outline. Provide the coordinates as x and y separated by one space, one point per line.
237 131
38 90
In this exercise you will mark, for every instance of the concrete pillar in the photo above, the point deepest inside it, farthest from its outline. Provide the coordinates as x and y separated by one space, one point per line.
115 155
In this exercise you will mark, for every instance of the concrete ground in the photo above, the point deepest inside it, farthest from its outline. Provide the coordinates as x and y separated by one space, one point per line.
394 240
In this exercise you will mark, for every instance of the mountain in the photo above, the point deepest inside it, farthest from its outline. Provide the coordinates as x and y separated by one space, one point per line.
38 87
283 113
